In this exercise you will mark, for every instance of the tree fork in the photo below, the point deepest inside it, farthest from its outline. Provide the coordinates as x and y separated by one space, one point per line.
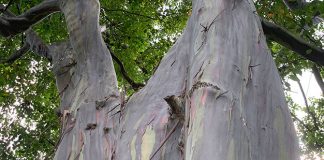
250 121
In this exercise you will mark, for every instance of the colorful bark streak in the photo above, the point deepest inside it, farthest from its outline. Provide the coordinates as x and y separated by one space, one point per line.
133 148
196 128
240 65
148 142
203 98
92 81
231 150
164 121
74 148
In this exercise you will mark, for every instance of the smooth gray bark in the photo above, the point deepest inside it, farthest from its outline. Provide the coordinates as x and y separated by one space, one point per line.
89 89
242 114
216 94
235 106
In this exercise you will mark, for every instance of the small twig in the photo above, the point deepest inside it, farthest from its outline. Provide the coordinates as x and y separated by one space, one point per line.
300 121
18 54
206 29
165 139
9 4
222 94
134 85
113 108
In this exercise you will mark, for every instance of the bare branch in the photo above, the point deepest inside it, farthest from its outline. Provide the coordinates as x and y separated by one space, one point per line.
311 113
10 26
296 44
318 78
301 122
37 45
32 42
134 85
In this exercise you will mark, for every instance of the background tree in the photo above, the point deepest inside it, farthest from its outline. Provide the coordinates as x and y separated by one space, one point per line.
139 40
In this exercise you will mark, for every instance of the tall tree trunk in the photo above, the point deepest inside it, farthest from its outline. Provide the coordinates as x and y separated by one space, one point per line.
87 85
235 106
216 95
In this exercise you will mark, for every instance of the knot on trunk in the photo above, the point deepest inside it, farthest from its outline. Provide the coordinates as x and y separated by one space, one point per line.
176 106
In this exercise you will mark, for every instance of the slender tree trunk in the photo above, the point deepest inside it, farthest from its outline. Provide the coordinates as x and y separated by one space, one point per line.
216 95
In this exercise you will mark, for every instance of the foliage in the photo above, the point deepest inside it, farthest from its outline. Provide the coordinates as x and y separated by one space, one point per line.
139 33
303 23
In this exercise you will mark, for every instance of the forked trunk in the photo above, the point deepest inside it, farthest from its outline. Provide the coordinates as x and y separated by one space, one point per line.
216 95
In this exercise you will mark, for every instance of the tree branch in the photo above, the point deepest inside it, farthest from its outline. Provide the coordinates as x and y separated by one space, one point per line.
301 122
37 45
19 53
290 41
10 26
294 4
134 85
318 78
32 42
311 113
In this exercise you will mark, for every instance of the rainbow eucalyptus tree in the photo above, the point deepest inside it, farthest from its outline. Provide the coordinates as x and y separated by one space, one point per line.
215 95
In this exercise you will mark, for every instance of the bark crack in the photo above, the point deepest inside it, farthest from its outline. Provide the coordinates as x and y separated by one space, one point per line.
91 126
206 29
199 85
102 103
